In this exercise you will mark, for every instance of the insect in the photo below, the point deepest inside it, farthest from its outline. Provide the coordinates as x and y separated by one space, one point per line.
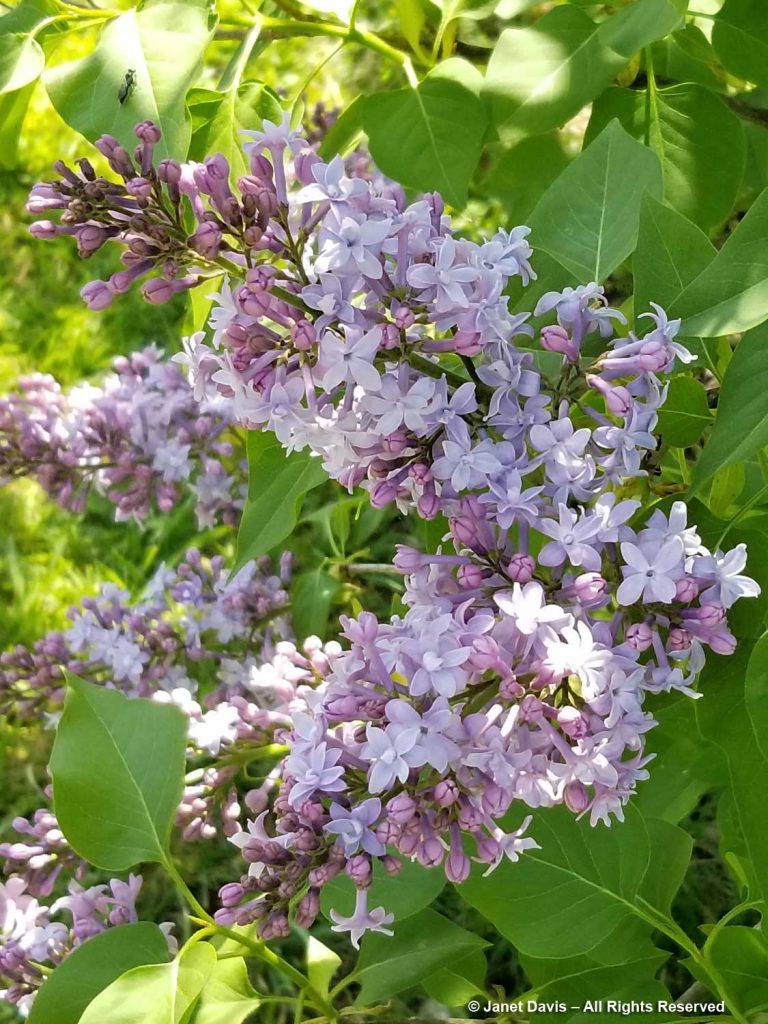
127 86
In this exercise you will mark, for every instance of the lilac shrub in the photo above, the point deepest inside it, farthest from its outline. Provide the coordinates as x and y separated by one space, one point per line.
140 438
367 329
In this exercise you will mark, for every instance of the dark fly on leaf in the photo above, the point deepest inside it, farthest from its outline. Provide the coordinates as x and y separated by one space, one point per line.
127 87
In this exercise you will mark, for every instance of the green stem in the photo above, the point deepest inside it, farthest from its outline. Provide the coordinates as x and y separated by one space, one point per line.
756 497
734 912
266 955
280 28
186 892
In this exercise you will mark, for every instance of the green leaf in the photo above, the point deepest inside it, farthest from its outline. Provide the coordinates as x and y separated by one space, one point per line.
685 414
13 110
163 41
540 76
312 594
155 994
756 693
322 964
228 997
741 424
741 957
685 766
642 23
90 968
456 984
700 142
577 982
519 176
723 718
740 38
671 252
588 219
731 294
277 483
565 899
21 62
687 56
219 117
118 774
26 15
431 136
403 894
421 945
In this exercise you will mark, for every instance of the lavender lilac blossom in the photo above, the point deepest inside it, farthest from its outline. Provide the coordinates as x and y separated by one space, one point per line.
364 328
140 438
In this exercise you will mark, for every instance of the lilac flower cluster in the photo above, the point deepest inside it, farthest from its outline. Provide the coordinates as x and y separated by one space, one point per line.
192 628
140 438
33 943
365 328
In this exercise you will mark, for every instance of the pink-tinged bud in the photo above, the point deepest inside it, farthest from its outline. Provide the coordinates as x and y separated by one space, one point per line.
464 530
678 639
590 589
510 689
467 343
277 927
257 800
90 237
303 163
392 865
470 576
390 336
383 494
158 291
722 641
711 615
97 295
308 909
639 636
457 864
139 188
359 870
573 722
557 339
531 709
147 131
617 398
252 302
428 505
261 167
206 240
170 172
576 797
401 809
521 568
303 335
409 559
470 816
495 802
231 894
44 230
395 443
404 318
446 793
430 852
687 590
488 849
